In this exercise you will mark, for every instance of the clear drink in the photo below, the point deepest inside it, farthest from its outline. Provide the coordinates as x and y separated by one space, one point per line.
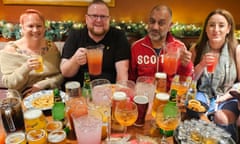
145 86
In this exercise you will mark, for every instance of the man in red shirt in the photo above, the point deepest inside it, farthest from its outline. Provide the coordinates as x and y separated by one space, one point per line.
146 53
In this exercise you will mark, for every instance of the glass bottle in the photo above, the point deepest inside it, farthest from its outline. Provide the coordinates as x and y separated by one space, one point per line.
58 109
192 91
86 89
171 112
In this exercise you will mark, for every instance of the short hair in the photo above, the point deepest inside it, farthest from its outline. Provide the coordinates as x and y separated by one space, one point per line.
31 11
161 7
98 2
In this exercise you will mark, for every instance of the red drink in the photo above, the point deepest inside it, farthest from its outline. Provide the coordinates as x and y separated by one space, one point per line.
170 64
211 66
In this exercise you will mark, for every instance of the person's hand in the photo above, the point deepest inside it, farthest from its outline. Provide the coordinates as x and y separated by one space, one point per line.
80 56
223 98
208 59
33 63
185 57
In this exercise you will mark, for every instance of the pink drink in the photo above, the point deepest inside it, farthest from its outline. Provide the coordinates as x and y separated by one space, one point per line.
88 129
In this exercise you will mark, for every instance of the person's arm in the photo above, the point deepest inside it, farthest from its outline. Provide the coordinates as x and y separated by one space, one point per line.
199 68
69 67
122 70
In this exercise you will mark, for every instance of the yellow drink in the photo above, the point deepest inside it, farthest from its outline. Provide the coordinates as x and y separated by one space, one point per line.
16 138
125 118
159 99
167 125
34 119
39 69
38 136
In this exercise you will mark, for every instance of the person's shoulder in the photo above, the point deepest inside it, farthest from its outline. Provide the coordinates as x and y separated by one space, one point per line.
10 46
115 30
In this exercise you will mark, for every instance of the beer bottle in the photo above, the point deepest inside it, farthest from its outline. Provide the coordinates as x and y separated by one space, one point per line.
170 110
58 109
86 89
192 91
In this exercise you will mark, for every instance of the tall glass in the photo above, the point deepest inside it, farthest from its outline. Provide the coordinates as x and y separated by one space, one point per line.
78 107
145 85
88 128
94 57
127 87
2 132
170 58
101 101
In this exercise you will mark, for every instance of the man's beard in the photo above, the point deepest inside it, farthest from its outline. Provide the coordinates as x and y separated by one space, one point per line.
98 33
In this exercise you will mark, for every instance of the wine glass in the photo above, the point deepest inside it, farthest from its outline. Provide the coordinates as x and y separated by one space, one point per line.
168 117
126 114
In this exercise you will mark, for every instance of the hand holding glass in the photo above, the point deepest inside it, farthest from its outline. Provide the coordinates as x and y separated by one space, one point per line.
212 60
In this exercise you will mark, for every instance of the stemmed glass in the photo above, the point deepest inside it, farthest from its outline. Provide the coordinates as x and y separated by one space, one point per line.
126 114
167 119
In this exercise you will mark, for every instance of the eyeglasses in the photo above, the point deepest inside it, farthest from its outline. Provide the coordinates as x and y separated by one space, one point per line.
95 17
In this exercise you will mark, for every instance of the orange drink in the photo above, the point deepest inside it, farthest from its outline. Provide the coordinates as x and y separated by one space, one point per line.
170 64
76 106
39 58
94 57
2 134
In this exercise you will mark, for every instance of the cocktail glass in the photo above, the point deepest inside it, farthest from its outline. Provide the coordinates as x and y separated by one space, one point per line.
167 119
126 113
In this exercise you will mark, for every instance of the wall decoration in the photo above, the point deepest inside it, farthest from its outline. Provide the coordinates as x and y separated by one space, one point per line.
111 3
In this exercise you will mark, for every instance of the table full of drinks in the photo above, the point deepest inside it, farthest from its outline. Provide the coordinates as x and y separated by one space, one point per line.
101 112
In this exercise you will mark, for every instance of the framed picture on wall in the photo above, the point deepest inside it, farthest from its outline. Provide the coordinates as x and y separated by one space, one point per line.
111 3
